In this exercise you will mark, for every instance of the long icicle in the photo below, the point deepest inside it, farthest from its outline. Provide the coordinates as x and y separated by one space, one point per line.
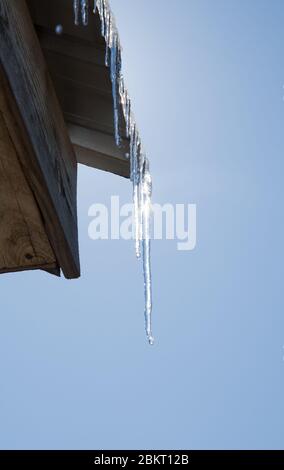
139 164
146 184
140 173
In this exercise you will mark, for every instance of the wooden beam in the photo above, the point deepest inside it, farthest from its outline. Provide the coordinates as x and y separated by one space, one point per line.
36 126
23 241
98 150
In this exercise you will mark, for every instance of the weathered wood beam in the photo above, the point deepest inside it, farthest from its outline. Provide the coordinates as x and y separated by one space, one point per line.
23 240
97 150
37 129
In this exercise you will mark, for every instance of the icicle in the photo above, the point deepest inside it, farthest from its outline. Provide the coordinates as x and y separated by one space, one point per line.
76 7
146 190
137 217
126 105
114 80
107 32
101 7
85 12
128 114
139 164
84 6
108 38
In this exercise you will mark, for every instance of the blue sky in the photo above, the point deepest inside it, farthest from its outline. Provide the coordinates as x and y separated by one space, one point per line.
76 372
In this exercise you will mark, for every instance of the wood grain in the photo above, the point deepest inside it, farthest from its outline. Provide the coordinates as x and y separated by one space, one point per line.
37 129
23 241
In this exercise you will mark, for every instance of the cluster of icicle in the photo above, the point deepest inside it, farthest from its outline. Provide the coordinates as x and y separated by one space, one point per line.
139 164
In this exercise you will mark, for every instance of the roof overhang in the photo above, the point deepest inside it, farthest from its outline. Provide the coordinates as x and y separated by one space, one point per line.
76 62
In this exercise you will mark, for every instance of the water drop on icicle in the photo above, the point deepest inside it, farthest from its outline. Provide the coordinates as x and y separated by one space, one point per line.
59 29
139 164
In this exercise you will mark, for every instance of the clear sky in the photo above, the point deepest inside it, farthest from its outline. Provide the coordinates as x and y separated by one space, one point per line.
206 77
